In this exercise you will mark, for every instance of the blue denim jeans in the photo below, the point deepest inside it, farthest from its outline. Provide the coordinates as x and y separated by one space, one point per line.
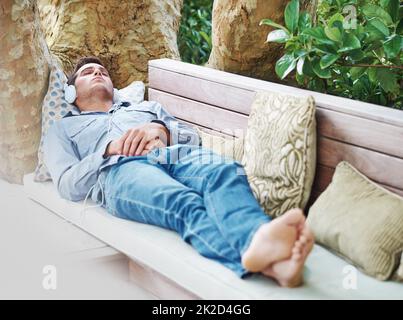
201 195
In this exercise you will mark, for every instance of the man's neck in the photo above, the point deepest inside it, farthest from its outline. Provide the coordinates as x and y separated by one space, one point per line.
95 105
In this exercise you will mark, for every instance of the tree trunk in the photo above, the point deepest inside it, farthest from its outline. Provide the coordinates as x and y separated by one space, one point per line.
24 72
123 34
238 40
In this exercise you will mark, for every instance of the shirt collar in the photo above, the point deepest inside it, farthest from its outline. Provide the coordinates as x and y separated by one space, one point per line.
77 112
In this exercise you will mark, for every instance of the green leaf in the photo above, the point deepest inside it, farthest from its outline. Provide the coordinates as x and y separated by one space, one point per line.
285 65
291 15
300 79
279 36
372 75
399 29
307 68
333 33
387 80
304 21
350 42
360 32
318 33
373 11
271 23
376 30
321 73
393 46
300 53
336 17
357 55
374 46
300 65
206 37
328 59
325 48
392 7
356 72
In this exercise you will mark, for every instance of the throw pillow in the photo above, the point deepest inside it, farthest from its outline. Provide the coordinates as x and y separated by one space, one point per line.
360 221
280 151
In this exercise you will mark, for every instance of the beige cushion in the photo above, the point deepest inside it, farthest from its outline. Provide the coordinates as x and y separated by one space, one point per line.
280 151
398 276
360 221
231 147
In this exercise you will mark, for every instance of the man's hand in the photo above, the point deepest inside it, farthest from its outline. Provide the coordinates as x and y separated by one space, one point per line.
139 140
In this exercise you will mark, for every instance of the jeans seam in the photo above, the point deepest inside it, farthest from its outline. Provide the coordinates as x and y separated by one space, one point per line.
208 198
206 193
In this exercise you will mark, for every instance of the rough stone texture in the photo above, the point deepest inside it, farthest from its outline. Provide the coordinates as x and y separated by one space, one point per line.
124 34
238 40
24 72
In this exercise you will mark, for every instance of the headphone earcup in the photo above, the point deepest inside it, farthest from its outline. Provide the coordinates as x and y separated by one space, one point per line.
70 94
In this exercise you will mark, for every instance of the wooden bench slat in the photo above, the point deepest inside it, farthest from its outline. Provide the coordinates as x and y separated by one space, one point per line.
324 176
376 166
360 132
218 94
335 125
201 113
208 78
207 129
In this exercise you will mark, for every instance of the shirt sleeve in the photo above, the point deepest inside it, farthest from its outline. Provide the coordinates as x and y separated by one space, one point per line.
72 176
180 133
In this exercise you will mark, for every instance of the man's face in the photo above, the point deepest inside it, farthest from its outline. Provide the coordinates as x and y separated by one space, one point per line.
93 79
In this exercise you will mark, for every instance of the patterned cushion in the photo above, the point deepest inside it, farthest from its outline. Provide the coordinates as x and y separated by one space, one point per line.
360 221
54 107
280 151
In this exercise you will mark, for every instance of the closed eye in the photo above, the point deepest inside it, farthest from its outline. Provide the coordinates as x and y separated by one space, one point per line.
90 70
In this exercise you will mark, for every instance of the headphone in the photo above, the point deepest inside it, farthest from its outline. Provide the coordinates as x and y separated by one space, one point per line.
70 93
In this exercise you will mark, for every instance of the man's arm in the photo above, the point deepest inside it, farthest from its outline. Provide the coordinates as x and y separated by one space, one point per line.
72 176
179 132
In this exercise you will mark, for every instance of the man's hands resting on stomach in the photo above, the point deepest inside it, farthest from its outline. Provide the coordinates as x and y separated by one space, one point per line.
139 141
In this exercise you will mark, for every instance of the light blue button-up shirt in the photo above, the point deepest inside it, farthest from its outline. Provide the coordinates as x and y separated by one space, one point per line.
74 146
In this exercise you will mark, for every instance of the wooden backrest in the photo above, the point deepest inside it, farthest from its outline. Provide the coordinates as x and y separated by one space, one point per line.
368 136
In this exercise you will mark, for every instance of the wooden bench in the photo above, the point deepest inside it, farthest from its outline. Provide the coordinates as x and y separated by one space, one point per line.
368 136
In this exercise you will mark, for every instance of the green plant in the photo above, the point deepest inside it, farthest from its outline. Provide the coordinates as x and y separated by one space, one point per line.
194 39
356 55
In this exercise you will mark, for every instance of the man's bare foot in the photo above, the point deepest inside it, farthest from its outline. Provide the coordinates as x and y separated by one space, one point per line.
288 273
274 241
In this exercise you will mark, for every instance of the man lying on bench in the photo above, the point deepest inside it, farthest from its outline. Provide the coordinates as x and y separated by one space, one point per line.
141 164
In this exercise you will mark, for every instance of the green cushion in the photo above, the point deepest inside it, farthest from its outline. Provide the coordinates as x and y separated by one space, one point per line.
360 221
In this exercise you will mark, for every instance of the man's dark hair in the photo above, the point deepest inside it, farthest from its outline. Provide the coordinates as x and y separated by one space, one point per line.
79 64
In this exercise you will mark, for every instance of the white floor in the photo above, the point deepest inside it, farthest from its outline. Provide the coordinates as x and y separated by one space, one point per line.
39 252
